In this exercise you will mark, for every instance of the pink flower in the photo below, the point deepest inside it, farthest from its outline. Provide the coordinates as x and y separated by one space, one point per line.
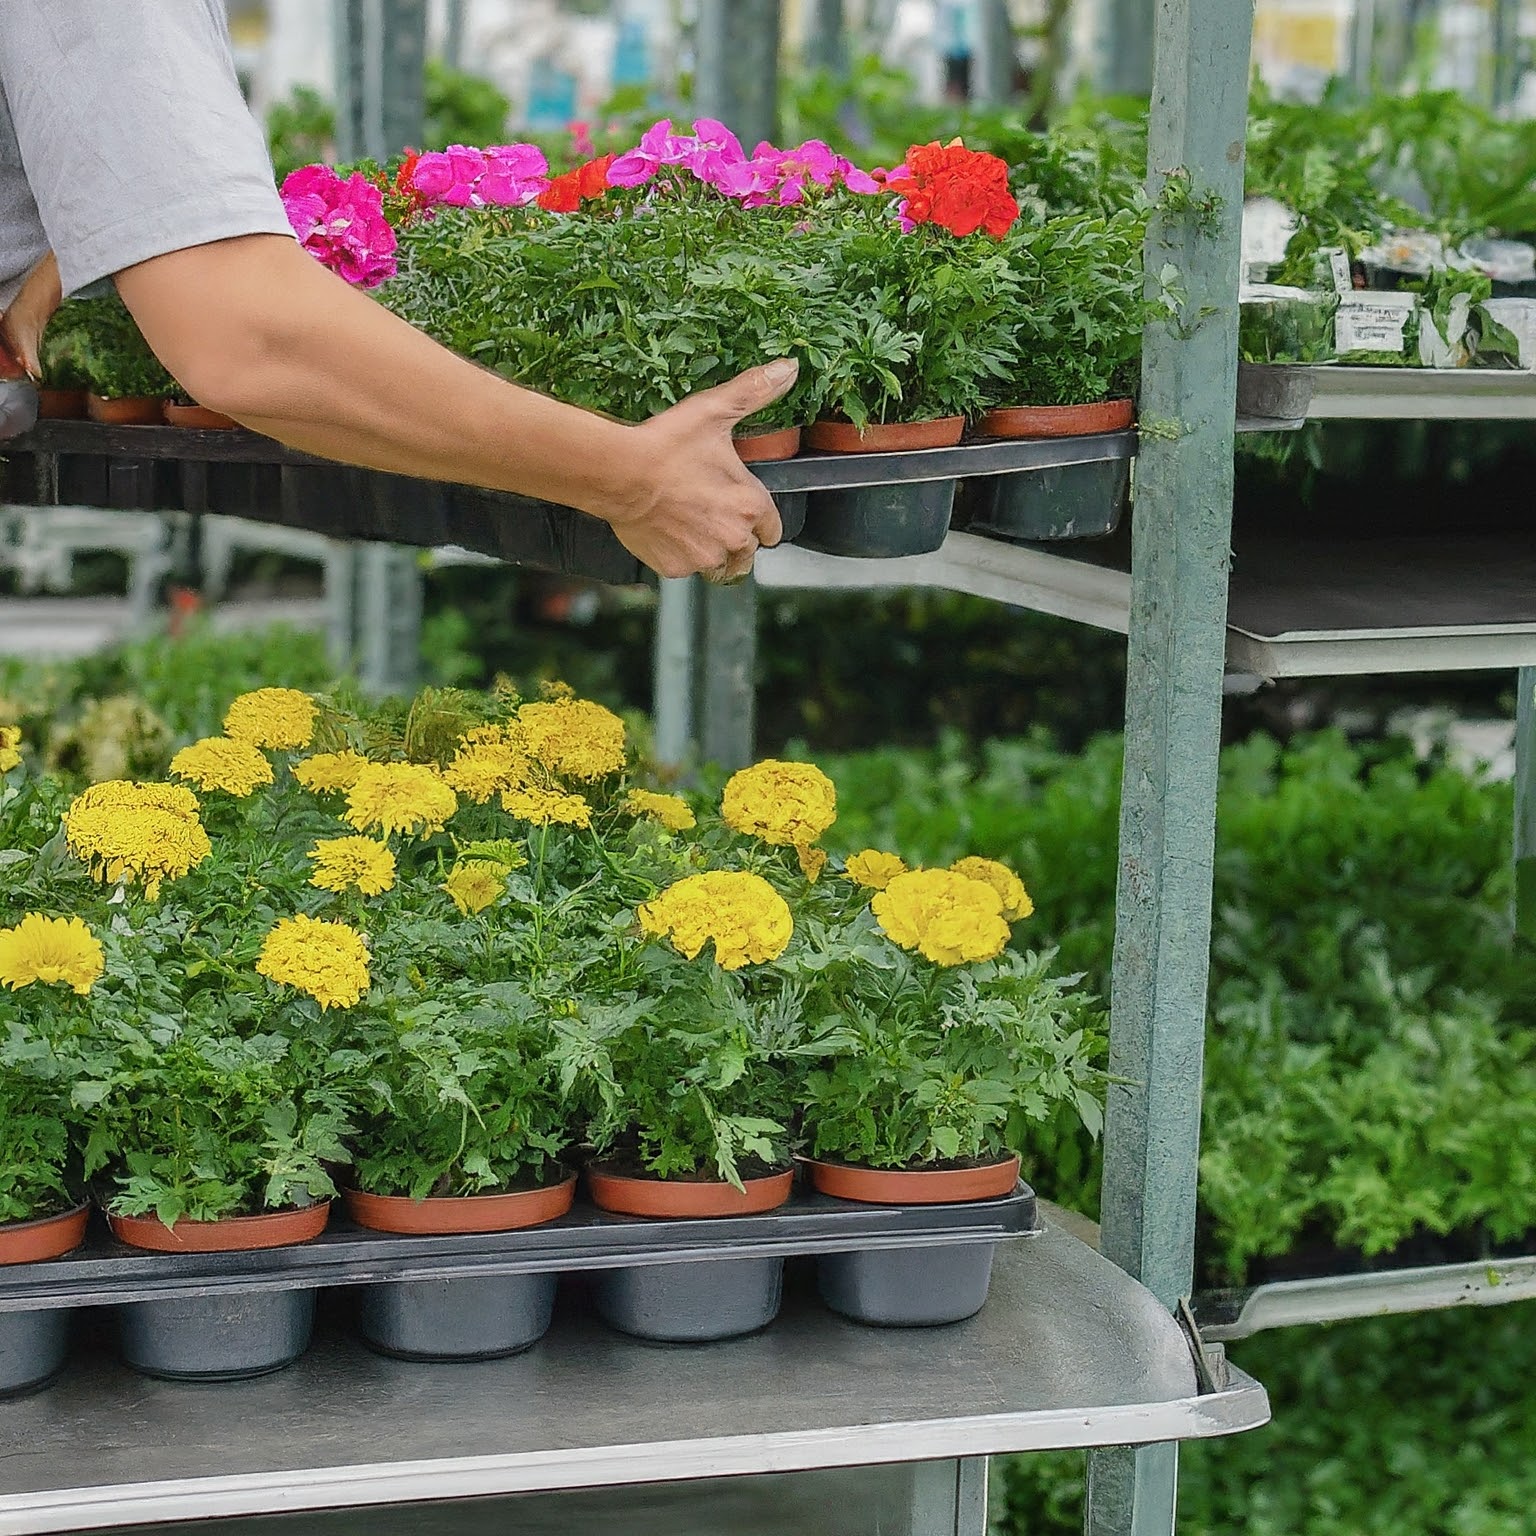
583 146
713 152
341 224
515 175
658 147
449 176
783 176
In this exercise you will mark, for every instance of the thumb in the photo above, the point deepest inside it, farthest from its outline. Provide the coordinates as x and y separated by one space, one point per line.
751 391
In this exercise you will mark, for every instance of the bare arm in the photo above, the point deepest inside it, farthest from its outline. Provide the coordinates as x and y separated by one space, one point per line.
255 328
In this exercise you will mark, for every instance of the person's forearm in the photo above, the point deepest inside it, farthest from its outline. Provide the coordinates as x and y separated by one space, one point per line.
255 328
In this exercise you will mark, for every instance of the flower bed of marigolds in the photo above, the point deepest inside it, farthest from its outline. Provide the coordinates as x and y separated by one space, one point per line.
432 962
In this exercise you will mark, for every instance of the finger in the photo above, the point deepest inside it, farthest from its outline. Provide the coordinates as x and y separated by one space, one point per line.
769 527
750 392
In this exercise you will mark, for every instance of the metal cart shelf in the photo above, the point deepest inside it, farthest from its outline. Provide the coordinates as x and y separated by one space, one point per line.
1335 393
1069 1351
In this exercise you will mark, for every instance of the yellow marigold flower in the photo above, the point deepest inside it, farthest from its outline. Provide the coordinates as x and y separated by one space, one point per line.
672 811
945 917
146 832
741 914
787 804
10 741
217 762
327 772
1010 889
50 950
873 869
476 884
282 719
344 862
546 807
486 765
399 797
812 861
573 738
329 961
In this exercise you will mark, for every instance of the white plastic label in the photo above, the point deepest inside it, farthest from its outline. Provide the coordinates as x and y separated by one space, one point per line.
1371 326
1343 278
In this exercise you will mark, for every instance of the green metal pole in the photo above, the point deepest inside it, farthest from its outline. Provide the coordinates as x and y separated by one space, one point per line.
1175 661
996 60
826 37
1525 805
1506 44
1125 46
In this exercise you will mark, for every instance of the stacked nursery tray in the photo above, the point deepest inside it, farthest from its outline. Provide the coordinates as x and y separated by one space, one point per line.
230 1315
873 505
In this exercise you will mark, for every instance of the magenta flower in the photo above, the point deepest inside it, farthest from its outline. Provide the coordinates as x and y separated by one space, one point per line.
658 147
583 146
341 224
515 175
713 151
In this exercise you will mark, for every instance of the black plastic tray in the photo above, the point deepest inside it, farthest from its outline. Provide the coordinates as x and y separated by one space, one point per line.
105 1272
241 474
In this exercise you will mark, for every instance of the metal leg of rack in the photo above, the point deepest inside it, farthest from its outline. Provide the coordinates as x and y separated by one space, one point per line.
1175 660
1525 804
949 1498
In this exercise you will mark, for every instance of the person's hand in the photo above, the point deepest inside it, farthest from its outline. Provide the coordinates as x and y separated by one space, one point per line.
23 324
697 509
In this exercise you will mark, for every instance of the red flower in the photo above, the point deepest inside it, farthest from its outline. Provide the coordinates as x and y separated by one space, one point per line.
567 193
959 189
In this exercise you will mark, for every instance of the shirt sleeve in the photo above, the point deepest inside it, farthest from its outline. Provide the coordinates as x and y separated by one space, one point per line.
134 136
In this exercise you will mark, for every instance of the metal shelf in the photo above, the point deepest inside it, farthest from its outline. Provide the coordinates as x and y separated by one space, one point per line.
1396 394
1299 607
1238 1314
1069 1352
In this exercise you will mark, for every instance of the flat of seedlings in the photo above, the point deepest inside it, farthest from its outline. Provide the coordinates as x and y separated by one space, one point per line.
1069 1351
106 1272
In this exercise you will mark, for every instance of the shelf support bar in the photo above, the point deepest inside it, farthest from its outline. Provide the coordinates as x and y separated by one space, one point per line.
1175 659
1525 804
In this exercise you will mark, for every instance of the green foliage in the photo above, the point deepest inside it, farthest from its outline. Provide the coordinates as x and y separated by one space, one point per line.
301 130
97 342
462 108
36 1154
1287 330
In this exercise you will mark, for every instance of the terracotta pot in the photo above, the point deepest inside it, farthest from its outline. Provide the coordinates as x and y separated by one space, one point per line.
466 1213
61 404
198 417
1059 420
49 1237
932 1186
627 1196
235 1234
895 437
768 447
132 412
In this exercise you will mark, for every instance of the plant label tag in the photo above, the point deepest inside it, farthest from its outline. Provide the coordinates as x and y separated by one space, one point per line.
1376 324
1338 264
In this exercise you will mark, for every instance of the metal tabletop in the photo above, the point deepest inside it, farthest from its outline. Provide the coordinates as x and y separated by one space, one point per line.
1069 1351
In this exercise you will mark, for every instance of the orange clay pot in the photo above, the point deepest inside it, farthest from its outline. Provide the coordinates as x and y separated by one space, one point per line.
49 1237
234 1234
892 437
626 1196
131 412
1058 420
60 404
923 1186
198 417
461 1213
768 447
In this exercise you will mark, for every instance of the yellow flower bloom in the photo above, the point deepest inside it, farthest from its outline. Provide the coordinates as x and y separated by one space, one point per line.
217 762
488 761
282 719
672 811
1016 900
328 961
146 832
10 740
546 807
50 950
327 772
945 917
399 797
745 918
812 861
476 884
874 870
787 804
344 862
573 738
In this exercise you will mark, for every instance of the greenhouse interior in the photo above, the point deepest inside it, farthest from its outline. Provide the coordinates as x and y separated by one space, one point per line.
768 767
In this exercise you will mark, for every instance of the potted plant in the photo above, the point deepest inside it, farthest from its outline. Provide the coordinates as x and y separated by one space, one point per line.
181 410
934 1055
125 382
461 1128
42 1215
62 355
1283 332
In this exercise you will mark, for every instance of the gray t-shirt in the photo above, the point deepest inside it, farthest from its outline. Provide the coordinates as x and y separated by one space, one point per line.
123 135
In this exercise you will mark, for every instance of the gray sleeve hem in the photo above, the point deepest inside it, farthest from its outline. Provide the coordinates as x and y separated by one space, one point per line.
171 227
